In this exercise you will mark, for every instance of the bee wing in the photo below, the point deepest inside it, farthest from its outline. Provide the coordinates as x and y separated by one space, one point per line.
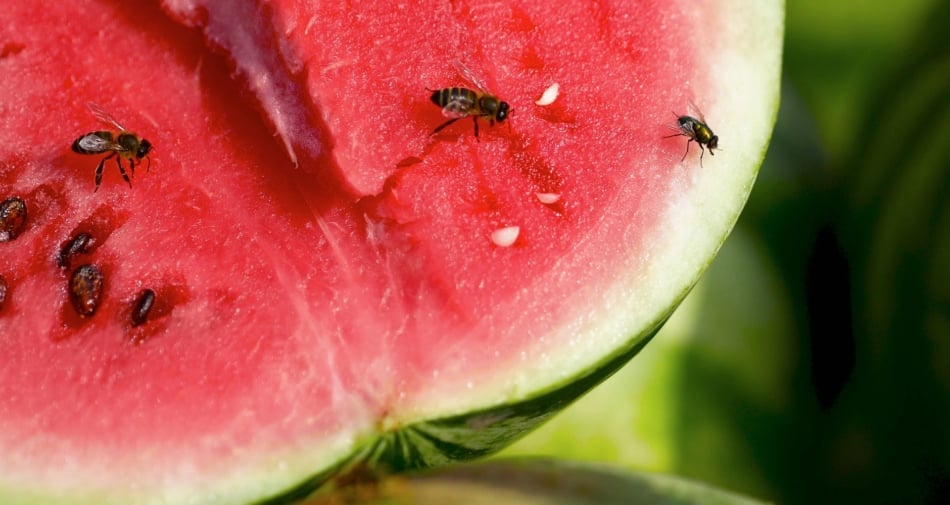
469 76
457 107
103 116
93 143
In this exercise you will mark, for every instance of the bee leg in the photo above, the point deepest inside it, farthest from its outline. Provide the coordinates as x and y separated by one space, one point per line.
101 164
149 165
132 167
443 125
118 161
475 120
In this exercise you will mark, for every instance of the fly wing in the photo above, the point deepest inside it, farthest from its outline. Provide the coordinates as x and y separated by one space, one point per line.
677 130
672 126
469 76
103 116
677 127
694 109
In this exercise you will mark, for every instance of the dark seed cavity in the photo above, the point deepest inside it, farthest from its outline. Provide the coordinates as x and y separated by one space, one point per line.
3 291
80 244
12 218
85 289
143 304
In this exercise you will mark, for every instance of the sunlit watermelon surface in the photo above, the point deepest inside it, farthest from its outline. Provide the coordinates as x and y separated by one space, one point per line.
328 274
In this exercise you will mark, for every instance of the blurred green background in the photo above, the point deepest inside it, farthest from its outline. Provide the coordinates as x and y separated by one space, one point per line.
812 362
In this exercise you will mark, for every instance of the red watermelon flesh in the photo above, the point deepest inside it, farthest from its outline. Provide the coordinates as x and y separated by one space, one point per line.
323 265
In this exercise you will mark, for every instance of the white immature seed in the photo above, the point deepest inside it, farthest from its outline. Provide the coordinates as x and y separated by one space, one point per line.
549 95
548 198
505 237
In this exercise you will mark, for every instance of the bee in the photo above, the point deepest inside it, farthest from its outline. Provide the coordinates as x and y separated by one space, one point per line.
458 102
695 129
119 143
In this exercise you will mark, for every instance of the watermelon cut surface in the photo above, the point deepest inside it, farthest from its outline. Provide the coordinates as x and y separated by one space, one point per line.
328 289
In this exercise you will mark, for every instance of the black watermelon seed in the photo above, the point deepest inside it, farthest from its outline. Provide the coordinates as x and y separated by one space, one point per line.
85 289
80 244
12 218
143 304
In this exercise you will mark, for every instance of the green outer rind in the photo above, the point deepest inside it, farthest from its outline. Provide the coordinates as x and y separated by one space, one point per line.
463 437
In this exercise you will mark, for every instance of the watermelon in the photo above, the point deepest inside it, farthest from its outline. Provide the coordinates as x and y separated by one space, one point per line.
332 285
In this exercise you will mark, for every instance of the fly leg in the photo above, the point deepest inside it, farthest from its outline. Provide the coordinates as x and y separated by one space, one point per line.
687 144
102 163
687 152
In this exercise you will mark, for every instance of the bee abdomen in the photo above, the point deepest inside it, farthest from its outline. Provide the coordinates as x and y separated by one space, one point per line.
445 96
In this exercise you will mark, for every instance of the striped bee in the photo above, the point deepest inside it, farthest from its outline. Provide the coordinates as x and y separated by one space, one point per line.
119 143
458 102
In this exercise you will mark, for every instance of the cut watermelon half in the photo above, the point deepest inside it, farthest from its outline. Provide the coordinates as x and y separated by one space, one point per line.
332 283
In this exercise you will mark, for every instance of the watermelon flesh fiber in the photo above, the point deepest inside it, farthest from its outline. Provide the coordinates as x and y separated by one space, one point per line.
323 265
